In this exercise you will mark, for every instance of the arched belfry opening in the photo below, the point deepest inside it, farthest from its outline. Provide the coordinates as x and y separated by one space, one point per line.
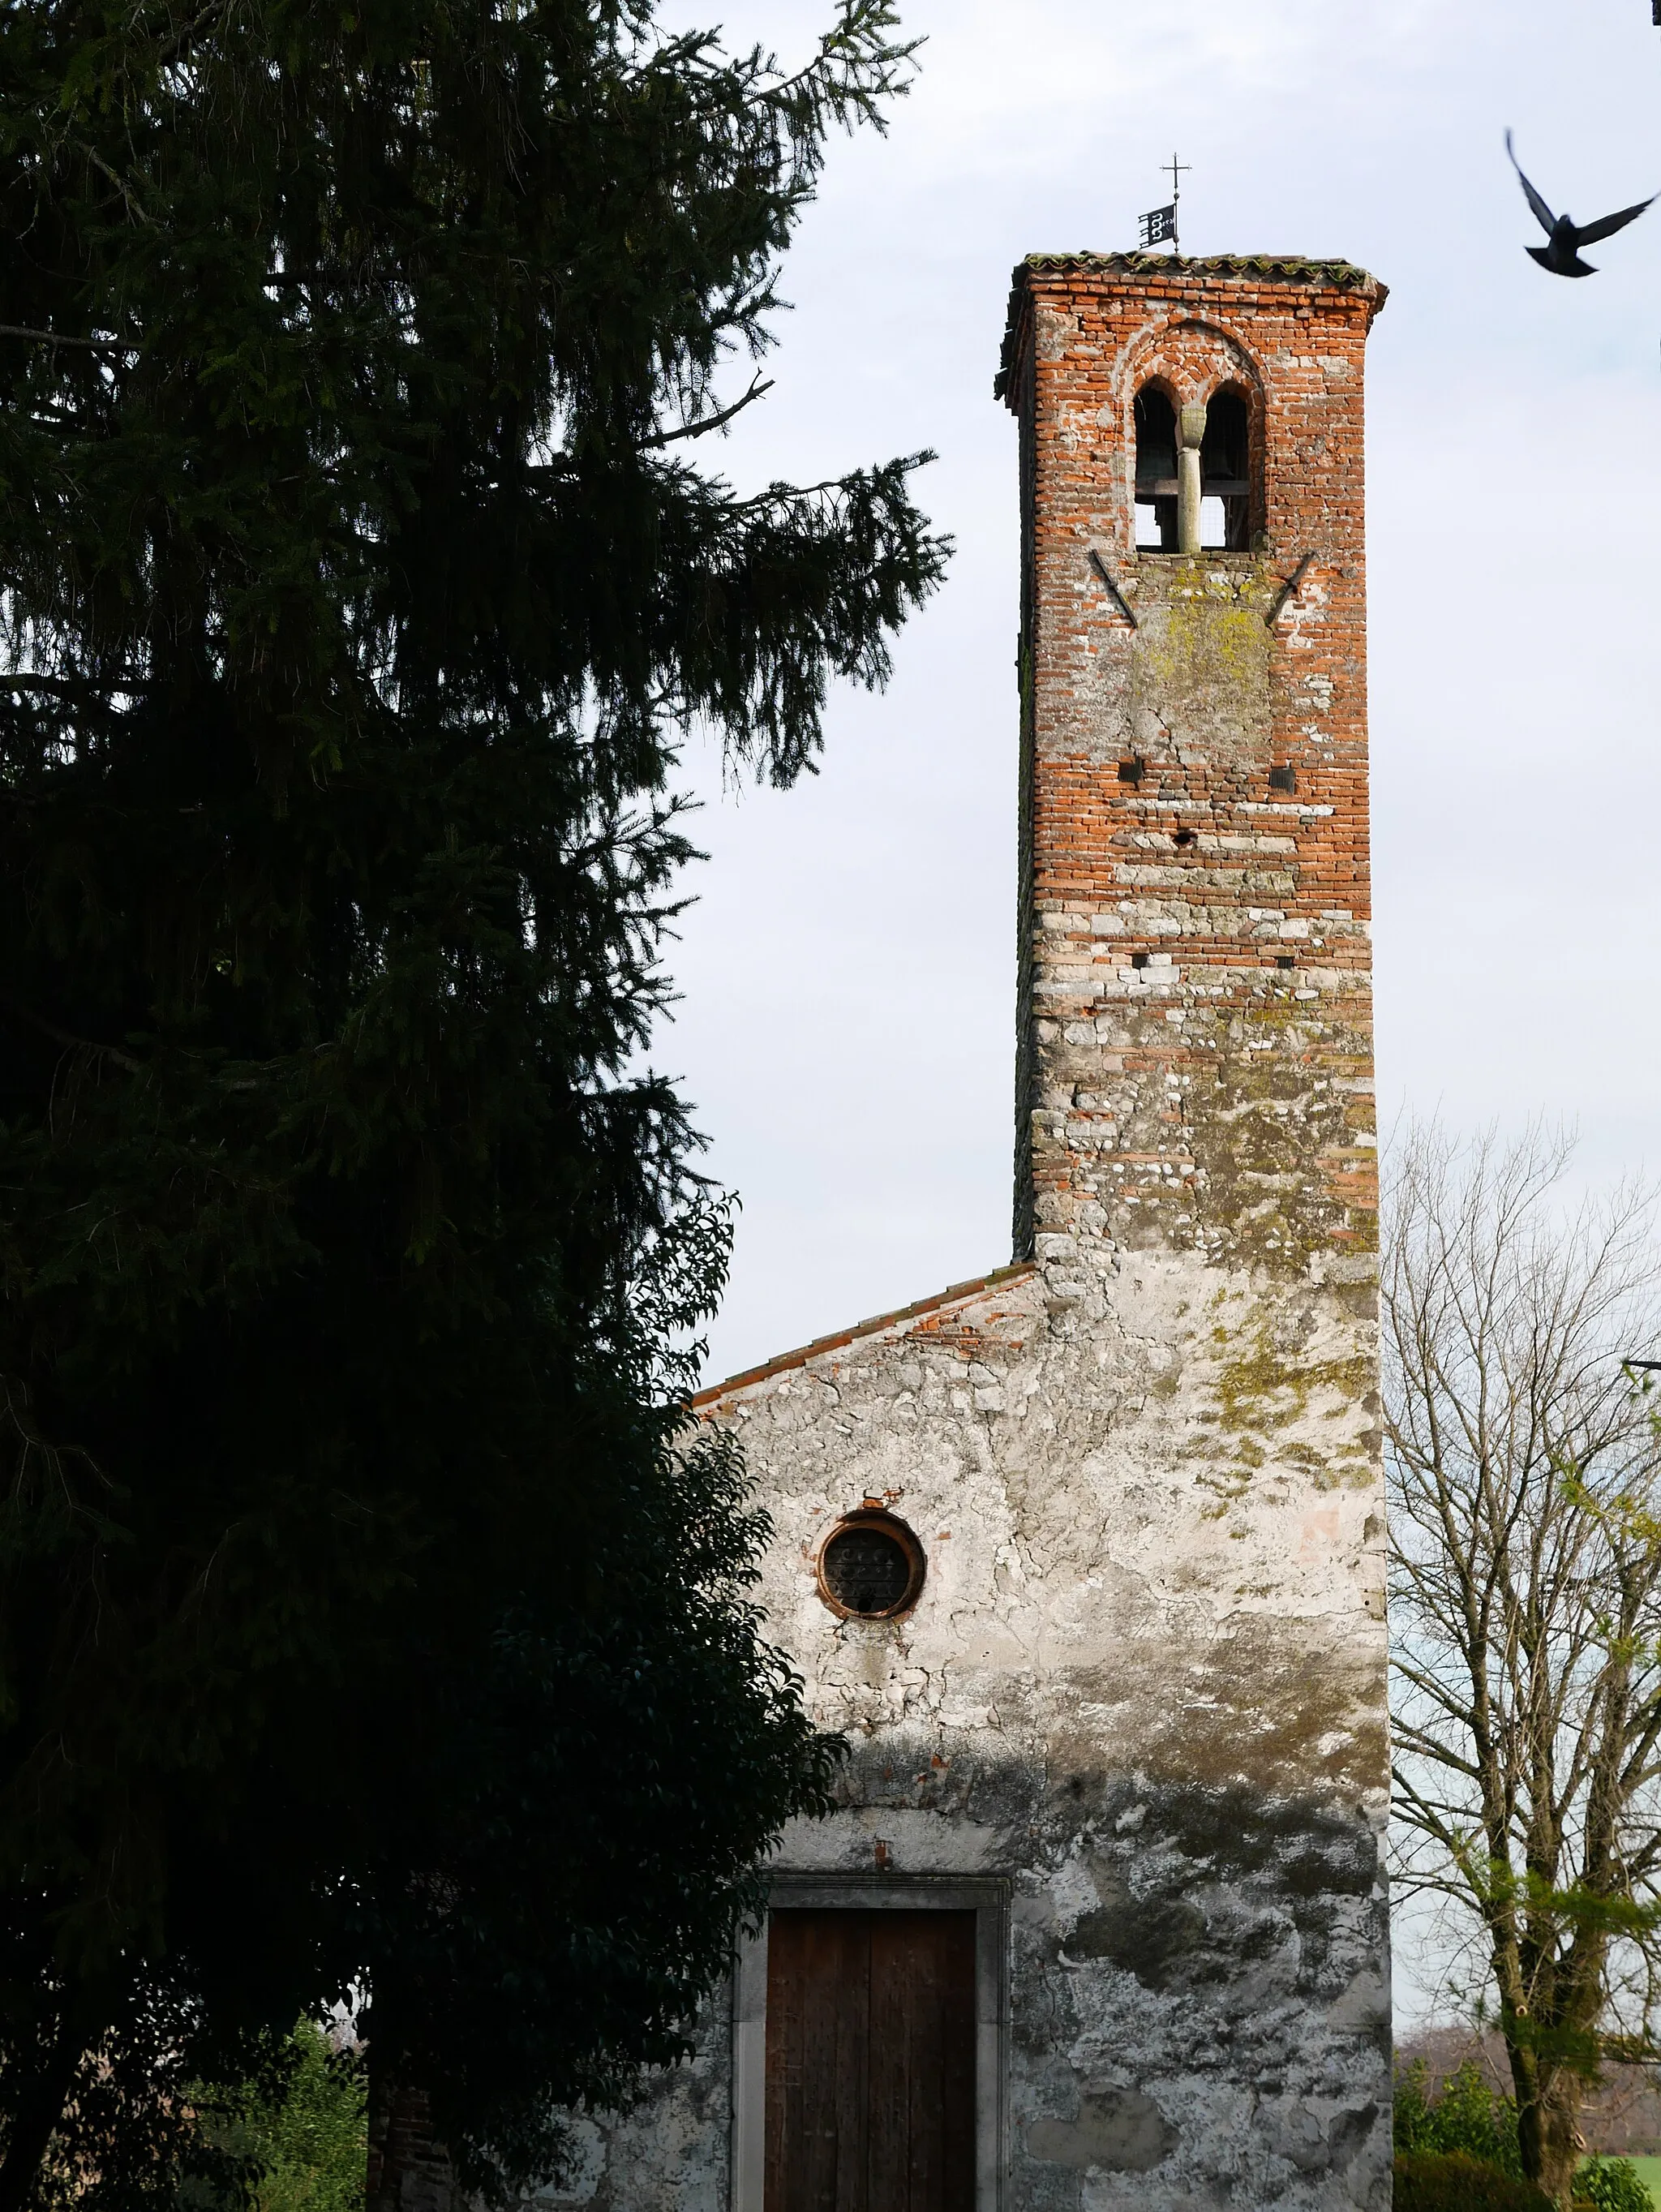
1156 471
1193 484
1226 472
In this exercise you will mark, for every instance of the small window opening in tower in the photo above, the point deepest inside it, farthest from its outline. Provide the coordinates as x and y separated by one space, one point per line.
1156 472
1226 473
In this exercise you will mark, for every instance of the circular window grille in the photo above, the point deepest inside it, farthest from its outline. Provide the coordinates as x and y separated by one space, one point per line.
870 1568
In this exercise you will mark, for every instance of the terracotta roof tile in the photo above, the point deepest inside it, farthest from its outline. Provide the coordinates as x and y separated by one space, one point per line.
958 1293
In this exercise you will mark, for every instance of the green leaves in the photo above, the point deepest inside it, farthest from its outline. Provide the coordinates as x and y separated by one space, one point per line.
296 2130
1467 2114
1612 2185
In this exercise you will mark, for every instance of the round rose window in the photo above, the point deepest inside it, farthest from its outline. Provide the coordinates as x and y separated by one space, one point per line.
870 1567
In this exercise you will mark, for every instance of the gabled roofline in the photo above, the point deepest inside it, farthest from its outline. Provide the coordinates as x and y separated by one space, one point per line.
875 1326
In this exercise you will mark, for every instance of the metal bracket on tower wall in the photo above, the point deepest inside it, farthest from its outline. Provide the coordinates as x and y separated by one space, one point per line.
1288 590
1114 590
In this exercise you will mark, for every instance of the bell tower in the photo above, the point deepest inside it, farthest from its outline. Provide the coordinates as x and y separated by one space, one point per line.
1194 1052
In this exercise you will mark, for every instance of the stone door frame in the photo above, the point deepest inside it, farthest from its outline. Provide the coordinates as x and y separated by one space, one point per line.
988 1899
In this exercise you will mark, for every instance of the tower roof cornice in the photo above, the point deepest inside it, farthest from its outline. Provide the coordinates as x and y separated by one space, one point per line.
1171 277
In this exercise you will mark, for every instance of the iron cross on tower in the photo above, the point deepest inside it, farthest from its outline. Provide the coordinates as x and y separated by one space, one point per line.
1160 223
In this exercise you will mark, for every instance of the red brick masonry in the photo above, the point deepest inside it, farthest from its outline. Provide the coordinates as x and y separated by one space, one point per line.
1197 1062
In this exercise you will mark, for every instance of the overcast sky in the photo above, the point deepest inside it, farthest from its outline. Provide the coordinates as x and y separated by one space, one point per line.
847 973
845 1022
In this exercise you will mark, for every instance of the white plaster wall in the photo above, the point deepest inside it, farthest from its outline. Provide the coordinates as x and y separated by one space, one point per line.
1144 1682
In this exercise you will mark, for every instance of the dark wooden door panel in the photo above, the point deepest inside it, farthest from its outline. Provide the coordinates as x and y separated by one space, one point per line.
870 2061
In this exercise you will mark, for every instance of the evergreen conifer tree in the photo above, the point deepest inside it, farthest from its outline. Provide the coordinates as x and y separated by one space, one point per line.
365 1626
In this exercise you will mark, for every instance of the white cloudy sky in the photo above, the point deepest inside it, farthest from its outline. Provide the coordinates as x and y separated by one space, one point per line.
847 973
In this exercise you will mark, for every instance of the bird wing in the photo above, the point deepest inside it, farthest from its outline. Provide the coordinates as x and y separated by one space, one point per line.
1588 234
1542 214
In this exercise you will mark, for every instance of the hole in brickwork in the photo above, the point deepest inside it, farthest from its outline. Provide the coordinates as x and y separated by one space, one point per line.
1286 960
1284 778
1184 838
1139 959
1129 771
1156 471
871 1567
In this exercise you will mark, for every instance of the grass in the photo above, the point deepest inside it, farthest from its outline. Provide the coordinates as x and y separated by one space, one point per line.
1649 2172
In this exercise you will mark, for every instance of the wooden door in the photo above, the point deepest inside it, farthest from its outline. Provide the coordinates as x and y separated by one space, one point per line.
870 2061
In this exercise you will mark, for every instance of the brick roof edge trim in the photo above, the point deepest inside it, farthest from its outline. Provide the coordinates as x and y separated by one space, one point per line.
1233 268
874 1327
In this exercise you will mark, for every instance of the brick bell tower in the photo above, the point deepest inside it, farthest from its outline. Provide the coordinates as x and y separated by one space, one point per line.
1195 1053
1196 1157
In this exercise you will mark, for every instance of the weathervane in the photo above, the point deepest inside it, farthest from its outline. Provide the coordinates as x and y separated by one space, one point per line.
1160 223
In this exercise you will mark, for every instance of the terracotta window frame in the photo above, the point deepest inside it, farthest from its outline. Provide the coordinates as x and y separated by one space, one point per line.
901 1533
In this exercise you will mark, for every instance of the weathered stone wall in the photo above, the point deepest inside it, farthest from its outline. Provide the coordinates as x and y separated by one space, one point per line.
1158 1720
1145 1680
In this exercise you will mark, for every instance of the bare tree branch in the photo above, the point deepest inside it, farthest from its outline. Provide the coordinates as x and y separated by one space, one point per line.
702 429
1526 1493
64 337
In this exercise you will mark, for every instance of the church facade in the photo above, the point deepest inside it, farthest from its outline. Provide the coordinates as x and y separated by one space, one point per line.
1085 1560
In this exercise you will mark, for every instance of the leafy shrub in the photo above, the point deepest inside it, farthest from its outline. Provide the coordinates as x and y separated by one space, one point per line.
1611 2184
317 2139
1469 2116
1454 2181
302 2128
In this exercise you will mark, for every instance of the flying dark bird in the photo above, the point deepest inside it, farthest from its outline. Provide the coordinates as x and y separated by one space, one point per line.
1562 256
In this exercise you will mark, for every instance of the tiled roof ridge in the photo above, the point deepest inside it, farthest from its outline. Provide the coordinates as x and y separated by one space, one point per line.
874 1327
1290 268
